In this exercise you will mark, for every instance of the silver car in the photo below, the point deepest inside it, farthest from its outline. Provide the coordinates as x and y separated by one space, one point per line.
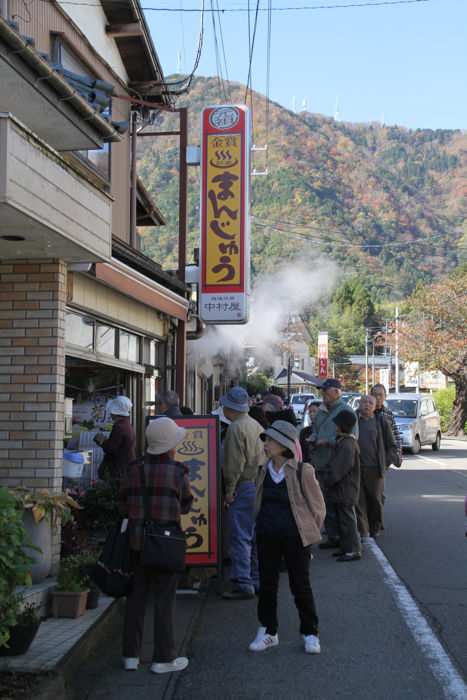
417 419
298 403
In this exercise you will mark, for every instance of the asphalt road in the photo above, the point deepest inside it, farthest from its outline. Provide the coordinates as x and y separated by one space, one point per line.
425 538
372 648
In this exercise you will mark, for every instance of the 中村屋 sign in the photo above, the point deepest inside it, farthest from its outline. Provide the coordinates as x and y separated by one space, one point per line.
225 224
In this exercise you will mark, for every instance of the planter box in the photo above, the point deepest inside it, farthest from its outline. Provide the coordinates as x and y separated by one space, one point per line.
21 638
66 604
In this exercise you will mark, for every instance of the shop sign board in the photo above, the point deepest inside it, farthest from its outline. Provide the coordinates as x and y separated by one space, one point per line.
323 343
199 451
225 214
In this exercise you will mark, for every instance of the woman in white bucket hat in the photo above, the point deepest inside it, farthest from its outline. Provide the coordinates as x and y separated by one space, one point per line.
119 448
290 512
168 489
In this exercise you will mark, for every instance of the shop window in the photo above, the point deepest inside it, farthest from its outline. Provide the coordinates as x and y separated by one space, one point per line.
106 340
128 347
79 331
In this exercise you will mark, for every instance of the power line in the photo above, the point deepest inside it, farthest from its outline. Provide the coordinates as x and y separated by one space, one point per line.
268 78
345 244
220 77
249 85
296 8
221 34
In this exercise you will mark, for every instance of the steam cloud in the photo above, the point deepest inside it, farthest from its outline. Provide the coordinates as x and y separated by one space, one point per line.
291 289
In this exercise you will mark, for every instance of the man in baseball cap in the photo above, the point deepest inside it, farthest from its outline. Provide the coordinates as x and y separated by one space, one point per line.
323 441
243 453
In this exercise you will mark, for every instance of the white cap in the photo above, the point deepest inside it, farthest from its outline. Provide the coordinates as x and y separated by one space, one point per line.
163 434
120 406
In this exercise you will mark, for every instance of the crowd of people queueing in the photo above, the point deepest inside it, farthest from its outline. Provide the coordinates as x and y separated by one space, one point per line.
282 489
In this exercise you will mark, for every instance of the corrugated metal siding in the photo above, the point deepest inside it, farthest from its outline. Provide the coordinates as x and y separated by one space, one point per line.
42 19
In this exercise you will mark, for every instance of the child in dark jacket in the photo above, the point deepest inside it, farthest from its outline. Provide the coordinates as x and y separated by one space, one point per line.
342 484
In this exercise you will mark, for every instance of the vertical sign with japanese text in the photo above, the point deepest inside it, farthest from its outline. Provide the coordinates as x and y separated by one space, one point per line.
323 343
199 451
225 214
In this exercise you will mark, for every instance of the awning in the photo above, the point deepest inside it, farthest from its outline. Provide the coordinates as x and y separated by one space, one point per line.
140 288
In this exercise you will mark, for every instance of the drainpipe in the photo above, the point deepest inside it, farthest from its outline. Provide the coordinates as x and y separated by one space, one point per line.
133 182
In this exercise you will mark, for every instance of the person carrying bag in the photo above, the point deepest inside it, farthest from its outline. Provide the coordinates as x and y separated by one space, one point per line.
155 493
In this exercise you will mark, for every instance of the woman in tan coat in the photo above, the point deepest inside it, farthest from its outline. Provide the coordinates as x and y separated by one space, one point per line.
290 513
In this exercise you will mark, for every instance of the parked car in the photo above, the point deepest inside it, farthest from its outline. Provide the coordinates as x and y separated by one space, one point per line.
298 403
417 419
352 399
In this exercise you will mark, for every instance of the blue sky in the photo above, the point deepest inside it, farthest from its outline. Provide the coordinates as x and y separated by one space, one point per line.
406 64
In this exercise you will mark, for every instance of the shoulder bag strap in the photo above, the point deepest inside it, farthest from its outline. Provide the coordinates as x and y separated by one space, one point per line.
147 510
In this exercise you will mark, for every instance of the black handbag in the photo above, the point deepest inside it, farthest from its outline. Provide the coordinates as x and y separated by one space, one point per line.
112 572
164 545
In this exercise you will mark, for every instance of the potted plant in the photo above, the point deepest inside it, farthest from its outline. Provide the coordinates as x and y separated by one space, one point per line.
70 595
43 510
15 565
25 629
85 560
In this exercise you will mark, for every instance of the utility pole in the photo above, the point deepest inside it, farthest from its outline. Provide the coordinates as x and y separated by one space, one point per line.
373 379
397 350
289 376
366 360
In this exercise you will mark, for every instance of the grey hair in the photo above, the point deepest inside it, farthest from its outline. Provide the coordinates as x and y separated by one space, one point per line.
170 398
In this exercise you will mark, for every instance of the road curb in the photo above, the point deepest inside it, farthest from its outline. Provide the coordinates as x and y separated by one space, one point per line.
174 679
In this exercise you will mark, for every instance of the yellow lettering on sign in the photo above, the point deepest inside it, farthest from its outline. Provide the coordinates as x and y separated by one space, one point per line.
223 209
194 452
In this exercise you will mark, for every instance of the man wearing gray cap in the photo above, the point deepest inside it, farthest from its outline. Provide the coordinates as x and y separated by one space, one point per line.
323 441
243 454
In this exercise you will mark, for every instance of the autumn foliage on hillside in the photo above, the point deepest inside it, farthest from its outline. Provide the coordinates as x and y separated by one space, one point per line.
380 200
434 334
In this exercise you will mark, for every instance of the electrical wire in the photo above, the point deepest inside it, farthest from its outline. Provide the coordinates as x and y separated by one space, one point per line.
221 35
292 8
220 77
345 244
268 79
249 82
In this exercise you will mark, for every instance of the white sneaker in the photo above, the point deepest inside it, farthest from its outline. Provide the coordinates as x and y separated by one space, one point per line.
130 663
179 664
312 645
264 641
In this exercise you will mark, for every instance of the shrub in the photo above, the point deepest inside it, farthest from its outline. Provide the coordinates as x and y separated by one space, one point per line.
444 400
70 578
15 565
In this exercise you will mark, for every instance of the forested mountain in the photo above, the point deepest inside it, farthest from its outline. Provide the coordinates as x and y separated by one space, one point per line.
382 200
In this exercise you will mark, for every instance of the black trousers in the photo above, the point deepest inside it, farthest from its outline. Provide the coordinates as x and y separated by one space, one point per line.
297 557
164 588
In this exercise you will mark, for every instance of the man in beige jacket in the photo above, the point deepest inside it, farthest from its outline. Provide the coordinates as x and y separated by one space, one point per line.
243 455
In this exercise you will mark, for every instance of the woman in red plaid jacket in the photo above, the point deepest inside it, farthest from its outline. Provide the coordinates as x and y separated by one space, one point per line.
168 487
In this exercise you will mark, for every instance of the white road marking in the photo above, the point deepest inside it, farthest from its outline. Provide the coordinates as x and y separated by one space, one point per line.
430 459
452 684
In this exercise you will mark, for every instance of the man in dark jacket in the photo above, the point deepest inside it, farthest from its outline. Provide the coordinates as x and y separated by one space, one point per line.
378 450
322 443
341 480
168 404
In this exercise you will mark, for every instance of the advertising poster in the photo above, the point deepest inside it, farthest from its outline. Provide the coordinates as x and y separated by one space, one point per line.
200 452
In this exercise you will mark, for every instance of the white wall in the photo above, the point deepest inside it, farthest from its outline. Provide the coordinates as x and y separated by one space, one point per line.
92 22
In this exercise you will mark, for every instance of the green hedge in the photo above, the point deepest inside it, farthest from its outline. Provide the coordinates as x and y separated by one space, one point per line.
444 399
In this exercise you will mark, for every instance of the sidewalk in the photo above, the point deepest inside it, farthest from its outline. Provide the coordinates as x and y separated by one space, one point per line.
102 678
368 652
